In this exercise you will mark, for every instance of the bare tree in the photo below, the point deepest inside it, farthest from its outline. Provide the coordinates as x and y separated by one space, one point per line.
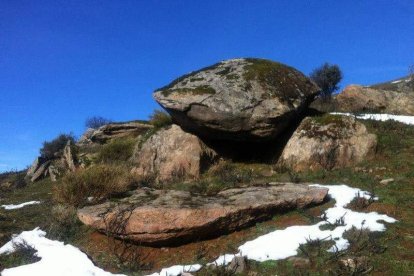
327 78
96 122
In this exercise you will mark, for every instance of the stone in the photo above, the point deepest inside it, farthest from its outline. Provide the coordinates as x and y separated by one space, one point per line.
53 173
172 154
327 142
359 99
239 99
68 157
356 265
387 181
238 265
113 131
42 171
35 165
165 217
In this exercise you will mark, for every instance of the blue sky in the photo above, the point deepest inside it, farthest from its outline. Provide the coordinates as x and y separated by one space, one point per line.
62 61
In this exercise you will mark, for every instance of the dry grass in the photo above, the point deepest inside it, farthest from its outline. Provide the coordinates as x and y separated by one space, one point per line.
99 182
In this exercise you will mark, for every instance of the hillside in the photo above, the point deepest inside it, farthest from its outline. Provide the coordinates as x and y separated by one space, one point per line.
404 84
238 177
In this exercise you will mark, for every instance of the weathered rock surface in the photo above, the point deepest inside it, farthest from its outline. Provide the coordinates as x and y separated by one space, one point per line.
34 167
355 98
114 130
169 216
41 172
326 143
238 99
172 153
68 157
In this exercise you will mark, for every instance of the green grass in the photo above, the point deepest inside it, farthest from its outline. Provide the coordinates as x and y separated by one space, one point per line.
117 151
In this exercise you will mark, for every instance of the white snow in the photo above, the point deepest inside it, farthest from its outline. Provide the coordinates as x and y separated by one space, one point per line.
18 206
177 270
56 258
281 244
60 259
409 120
397 81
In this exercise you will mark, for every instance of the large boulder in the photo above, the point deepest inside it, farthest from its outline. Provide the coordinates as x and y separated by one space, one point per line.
327 142
239 99
114 130
355 98
172 153
168 216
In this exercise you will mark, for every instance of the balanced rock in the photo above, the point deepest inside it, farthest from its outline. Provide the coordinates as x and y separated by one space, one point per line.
326 143
239 99
172 217
172 153
355 98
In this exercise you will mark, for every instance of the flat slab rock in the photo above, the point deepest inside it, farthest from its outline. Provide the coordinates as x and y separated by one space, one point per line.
159 217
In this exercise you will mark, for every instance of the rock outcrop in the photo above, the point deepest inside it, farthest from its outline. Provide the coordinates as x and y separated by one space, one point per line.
326 143
113 131
68 157
172 153
168 216
355 98
41 172
238 99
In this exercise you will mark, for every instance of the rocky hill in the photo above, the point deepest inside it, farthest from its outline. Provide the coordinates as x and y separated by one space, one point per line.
239 148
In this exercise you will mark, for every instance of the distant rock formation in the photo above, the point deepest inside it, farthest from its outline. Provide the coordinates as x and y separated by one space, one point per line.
167 216
113 131
238 99
64 161
172 153
355 98
326 143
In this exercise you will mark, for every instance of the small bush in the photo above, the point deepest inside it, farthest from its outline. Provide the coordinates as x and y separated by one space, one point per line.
23 254
96 122
99 182
231 174
118 150
57 145
64 223
160 119
327 77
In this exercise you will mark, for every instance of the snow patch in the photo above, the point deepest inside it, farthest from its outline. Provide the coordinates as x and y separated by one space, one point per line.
397 81
18 206
177 270
409 120
56 258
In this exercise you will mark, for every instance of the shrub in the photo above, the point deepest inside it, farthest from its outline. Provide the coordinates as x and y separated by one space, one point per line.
327 78
117 150
160 119
96 122
50 148
99 182
23 254
64 223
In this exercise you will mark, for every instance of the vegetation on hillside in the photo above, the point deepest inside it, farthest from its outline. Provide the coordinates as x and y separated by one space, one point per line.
51 148
96 122
327 77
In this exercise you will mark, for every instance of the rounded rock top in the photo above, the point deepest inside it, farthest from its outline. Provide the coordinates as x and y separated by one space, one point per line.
242 99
